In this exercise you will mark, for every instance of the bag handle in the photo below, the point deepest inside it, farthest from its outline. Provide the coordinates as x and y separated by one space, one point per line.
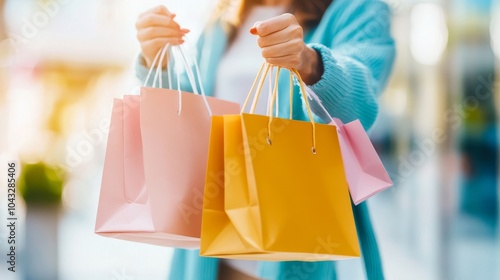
161 52
178 54
187 60
259 81
167 49
313 96
294 72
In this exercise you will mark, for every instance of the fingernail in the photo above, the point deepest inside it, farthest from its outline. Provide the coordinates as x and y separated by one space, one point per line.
172 16
184 30
253 30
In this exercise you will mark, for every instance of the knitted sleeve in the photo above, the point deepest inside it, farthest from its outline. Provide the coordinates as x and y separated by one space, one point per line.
357 60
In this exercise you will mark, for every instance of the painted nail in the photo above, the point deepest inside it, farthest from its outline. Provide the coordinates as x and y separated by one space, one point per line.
253 30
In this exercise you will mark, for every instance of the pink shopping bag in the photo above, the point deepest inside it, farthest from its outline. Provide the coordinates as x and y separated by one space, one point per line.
175 128
153 179
124 210
365 172
129 207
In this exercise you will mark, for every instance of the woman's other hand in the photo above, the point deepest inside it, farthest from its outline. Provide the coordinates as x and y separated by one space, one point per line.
155 28
282 42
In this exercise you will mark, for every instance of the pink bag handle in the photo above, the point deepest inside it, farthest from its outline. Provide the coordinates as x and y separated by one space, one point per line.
154 64
180 53
186 61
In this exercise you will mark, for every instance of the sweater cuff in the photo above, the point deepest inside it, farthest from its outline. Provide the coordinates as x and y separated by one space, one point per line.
331 75
141 71
344 89
323 85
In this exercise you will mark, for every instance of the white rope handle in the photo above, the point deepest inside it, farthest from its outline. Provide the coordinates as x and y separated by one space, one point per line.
145 83
159 69
313 96
178 55
198 74
181 58
159 55
196 66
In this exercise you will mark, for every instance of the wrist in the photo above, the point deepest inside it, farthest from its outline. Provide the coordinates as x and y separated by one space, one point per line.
144 61
312 66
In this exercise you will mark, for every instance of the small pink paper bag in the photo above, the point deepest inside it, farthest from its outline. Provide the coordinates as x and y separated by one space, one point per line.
365 172
124 210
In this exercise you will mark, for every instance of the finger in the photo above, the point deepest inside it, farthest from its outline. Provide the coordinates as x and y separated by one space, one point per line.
285 35
160 9
151 48
158 32
274 24
289 61
156 20
253 30
158 43
154 45
284 49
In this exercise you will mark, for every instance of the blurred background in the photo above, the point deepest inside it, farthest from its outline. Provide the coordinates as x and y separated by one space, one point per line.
63 61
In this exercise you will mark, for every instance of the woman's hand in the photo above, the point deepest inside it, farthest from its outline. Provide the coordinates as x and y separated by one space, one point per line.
155 28
282 42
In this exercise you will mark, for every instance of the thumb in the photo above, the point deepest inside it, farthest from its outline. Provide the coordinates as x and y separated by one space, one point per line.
254 30
162 10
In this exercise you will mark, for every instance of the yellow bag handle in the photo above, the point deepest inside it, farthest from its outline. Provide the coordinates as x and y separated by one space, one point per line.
265 66
259 82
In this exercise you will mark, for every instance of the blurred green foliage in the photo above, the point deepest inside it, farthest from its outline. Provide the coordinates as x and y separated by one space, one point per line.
41 183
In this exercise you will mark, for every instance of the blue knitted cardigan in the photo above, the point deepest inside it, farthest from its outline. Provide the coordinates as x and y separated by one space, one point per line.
357 50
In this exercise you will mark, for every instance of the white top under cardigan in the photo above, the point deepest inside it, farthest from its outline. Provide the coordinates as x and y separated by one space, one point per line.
241 61
236 72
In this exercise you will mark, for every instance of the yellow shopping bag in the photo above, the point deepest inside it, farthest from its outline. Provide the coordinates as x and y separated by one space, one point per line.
276 190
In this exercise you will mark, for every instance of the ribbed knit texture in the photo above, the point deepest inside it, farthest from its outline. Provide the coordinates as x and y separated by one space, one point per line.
368 242
357 51
187 265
